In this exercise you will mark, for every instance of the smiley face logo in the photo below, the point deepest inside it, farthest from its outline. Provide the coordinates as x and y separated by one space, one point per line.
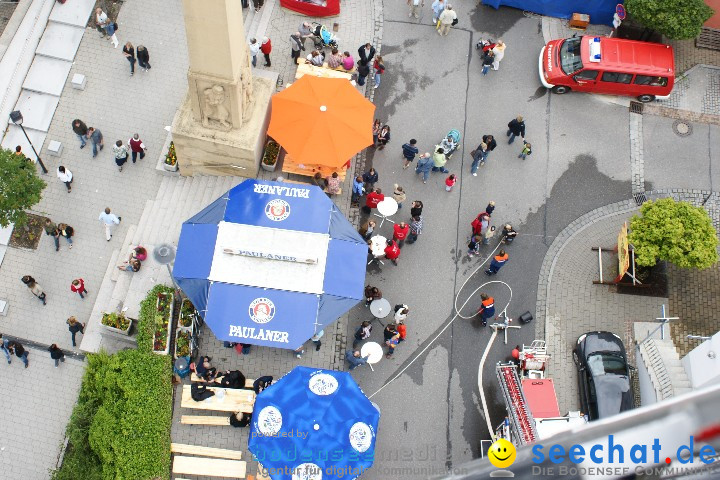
502 453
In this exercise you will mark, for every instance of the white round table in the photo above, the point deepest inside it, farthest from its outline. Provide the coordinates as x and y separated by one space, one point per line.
377 248
373 351
387 208
380 308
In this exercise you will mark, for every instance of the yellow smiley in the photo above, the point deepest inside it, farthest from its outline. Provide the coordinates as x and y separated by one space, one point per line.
502 453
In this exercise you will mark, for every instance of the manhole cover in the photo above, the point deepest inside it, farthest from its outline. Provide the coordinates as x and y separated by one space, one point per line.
682 128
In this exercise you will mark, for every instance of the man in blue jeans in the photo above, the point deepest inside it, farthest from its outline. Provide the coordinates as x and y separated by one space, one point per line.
4 343
478 158
424 165
80 130
17 349
96 138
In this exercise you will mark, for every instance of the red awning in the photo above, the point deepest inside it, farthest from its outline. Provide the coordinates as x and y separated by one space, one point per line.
311 7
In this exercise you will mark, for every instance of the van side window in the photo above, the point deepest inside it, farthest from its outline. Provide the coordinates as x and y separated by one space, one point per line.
616 77
586 75
652 81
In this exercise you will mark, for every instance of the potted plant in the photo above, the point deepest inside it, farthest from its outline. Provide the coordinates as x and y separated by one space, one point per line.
163 316
182 344
187 312
270 157
171 162
116 322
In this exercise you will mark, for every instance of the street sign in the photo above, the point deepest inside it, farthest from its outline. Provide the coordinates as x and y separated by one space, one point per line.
620 11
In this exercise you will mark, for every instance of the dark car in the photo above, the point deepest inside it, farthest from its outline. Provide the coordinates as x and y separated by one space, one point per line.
603 375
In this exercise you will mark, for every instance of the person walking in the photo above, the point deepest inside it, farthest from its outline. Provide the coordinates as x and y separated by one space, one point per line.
65 230
137 147
363 69
383 136
379 67
254 47
415 229
358 189
415 6
480 223
497 263
437 7
392 343
487 310
516 128
409 151
487 61
121 154
450 182
96 138
490 207
316 339
108 220
354 359
56 354
424 166
489 233
65 176
362 333
401 231
490 142
129 52
370 178
81 130
474 245
78 286
75 327
447 19
35 289
478 156
143 58
52 230
416 208
399 194
266 48
15 347
366 52
392 251
439 161
498 53
4 343
527 150
102 21
297 45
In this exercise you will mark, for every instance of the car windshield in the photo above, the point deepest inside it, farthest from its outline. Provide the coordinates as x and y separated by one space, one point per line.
606 363
570 61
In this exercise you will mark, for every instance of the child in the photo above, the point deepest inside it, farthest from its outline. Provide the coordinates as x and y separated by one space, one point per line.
392 343
488 235
474 245
527 150
409 151
450 182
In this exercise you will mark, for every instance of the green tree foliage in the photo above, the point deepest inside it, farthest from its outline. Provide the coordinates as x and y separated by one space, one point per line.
20 187
674 231
677 19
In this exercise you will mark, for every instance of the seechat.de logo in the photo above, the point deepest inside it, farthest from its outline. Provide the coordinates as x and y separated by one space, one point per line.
502 454
262 310
277 210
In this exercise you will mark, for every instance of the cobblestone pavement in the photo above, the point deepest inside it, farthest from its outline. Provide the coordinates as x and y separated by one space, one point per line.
569 304
6 11
118 105
687 55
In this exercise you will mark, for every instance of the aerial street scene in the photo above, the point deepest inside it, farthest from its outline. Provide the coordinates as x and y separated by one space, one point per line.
360 239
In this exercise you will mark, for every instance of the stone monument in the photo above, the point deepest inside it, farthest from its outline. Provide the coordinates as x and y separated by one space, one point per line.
220 127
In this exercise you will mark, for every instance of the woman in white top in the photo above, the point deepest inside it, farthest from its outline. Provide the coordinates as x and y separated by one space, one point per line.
102 20
65 176
499 51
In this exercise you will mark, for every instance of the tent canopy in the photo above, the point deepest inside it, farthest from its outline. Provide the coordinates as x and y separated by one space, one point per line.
600 11
270 263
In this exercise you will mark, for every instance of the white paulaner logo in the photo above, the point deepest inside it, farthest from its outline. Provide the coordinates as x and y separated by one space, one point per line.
277 210
269 421
261 310
323 384
360 436
307 471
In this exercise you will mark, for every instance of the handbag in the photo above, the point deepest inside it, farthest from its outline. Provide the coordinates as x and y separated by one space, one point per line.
454 22
115 27
472 153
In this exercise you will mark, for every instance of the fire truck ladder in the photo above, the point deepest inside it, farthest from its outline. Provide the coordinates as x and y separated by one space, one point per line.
521 420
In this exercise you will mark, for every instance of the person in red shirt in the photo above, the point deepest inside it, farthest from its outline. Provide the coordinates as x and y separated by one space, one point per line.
137 146
78 286
402 330
372 199
392 251
400 233
266 48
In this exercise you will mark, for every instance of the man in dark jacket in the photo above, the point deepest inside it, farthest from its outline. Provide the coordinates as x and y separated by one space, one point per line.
366 53
19 351
363 71
80 130
488 140
354 359
233 379
516 128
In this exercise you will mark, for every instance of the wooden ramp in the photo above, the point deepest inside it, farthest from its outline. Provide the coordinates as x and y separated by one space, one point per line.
205 451
211 467
205 420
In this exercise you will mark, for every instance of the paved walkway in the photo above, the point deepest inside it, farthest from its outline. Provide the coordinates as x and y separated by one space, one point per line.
118 105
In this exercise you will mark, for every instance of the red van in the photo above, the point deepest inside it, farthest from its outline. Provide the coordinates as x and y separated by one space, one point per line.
608 65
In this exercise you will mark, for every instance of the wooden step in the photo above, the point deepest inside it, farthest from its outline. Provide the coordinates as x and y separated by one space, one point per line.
205 451
205 420
211 467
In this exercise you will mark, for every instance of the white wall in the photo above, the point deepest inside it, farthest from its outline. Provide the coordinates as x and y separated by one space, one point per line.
701 369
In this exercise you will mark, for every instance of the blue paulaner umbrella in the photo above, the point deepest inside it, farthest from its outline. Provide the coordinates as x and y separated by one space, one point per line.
270 263
314 424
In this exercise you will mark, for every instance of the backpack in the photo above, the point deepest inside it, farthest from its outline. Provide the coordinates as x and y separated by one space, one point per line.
476 225
200 392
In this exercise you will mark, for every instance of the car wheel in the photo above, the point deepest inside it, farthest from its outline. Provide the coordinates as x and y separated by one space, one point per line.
560 89
646 98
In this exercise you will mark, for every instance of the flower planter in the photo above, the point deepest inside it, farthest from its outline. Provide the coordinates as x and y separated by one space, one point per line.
270 156
163 317
171 161
182 343
116 322
185 329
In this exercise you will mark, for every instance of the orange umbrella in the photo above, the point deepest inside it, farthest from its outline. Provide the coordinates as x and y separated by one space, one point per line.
321 121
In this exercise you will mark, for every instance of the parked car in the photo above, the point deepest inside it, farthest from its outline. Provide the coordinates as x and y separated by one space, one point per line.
603 375
608 65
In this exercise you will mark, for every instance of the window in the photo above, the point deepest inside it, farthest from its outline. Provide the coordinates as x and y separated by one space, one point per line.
616 77
587 75
651 81
570 60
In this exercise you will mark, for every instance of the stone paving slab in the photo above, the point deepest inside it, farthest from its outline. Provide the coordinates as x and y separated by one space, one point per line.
14 137
47 75
75 12
37 109
60 41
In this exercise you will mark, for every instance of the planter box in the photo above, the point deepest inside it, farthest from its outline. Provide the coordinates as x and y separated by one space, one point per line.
270 168
117 330
171 307
170 168
190 329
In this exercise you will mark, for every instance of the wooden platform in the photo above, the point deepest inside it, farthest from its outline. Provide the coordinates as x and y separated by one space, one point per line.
234 400
211 467
205 420
309 69
205 451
